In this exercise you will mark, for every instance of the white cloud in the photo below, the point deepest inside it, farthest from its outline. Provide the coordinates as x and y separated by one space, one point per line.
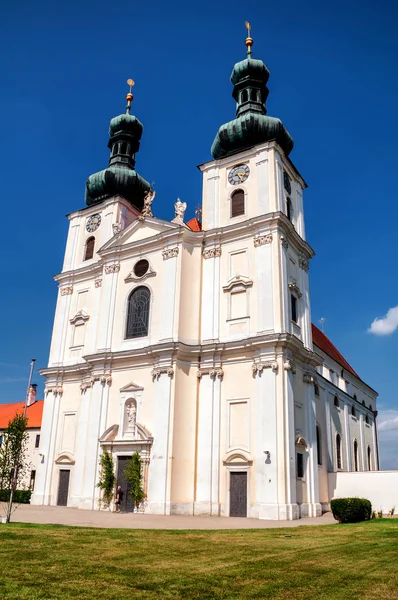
387 324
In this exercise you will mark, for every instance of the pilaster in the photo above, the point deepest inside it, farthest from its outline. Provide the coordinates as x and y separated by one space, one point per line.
169 274
362 435
107 309
348 461
159 475
314 508
211 293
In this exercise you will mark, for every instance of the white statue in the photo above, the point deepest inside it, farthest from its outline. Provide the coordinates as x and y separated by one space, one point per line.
131 414
148 199
179 208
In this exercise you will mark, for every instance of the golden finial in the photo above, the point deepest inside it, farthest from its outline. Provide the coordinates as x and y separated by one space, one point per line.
249 39
129 96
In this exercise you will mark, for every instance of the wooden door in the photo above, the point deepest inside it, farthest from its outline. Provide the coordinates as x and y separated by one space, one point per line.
127 504
63 487
238 494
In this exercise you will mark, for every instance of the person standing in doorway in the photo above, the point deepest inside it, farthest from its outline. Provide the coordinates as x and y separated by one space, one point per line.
119 498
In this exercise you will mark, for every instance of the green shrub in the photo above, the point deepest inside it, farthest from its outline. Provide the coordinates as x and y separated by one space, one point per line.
20 496
351 510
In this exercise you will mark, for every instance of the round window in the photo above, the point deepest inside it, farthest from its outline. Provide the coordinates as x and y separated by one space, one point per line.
141 268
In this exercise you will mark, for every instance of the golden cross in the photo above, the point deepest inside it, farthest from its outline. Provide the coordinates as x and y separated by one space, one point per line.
130 82
248 28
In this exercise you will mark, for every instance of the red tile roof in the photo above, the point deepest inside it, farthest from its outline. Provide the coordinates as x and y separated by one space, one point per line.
326 345
34 413
194 224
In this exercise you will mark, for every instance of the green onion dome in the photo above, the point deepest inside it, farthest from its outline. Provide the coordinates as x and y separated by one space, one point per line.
252 126
120 178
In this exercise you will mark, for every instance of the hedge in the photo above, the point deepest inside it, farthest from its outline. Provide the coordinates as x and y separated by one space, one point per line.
351 510
20 496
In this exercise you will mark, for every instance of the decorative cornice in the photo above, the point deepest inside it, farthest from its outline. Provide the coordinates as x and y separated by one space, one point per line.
304 263
260 240
55 389
157 372
113 268
213 373
258 367
289 365
66 291
284 242
103 378
294 288
308 377
239 281
98 282
170 253
81 315
212 252
85 385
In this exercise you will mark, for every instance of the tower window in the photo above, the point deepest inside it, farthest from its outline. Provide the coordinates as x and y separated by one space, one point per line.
253 95
367 419
138 313
123 148
238 203
289 210
89 251
114 151
318 444
338 451
354 414
245 96
355 455
336 401
293 305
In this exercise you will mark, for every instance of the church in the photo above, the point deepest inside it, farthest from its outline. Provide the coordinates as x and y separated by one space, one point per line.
191 342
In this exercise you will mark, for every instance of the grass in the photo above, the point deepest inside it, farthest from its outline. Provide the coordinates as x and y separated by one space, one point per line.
329 562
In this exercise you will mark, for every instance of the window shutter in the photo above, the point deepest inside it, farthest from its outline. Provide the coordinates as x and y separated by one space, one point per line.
237 203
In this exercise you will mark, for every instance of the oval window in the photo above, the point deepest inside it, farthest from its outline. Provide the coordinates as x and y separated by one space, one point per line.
141 268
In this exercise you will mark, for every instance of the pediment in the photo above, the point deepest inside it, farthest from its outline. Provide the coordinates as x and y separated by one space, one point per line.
140 229
65 458
131 387
237 459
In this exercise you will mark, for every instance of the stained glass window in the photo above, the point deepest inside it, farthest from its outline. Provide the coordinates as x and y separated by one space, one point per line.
138 313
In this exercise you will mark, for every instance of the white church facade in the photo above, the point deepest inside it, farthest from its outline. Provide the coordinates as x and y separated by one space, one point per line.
192 343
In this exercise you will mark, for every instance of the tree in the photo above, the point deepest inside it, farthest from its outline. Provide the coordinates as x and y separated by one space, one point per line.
13 461
107 478
133 474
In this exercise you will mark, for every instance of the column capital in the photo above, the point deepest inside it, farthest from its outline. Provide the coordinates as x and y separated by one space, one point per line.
212 372
158 371
258 367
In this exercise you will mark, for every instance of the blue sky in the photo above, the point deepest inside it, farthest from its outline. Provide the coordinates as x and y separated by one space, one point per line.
333 83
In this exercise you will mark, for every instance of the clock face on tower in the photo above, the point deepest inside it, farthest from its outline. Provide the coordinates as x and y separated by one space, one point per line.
93 223
238 174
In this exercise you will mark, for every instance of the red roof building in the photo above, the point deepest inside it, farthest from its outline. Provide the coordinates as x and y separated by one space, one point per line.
33 412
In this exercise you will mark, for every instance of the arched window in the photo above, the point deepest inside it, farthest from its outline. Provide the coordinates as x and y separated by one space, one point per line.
114 151
336 401
253 95
238 203
363 403
138 313
369 463
354 414
289 210
316 389
245 96
318 444
355 455
338 451
123 149
367 419
355 397
89 250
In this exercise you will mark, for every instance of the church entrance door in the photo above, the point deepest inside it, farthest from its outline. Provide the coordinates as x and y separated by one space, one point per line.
127 504
63 487
238 494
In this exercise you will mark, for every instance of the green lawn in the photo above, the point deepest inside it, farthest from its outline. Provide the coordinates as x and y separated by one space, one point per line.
336 561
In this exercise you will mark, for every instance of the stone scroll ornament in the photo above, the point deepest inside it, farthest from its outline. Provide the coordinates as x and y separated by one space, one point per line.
148 199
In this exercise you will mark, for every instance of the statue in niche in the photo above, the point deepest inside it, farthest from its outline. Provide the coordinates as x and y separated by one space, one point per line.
179 209
148 199
131 410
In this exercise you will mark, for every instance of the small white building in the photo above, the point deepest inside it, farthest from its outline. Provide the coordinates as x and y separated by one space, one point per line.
192 343
32 456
